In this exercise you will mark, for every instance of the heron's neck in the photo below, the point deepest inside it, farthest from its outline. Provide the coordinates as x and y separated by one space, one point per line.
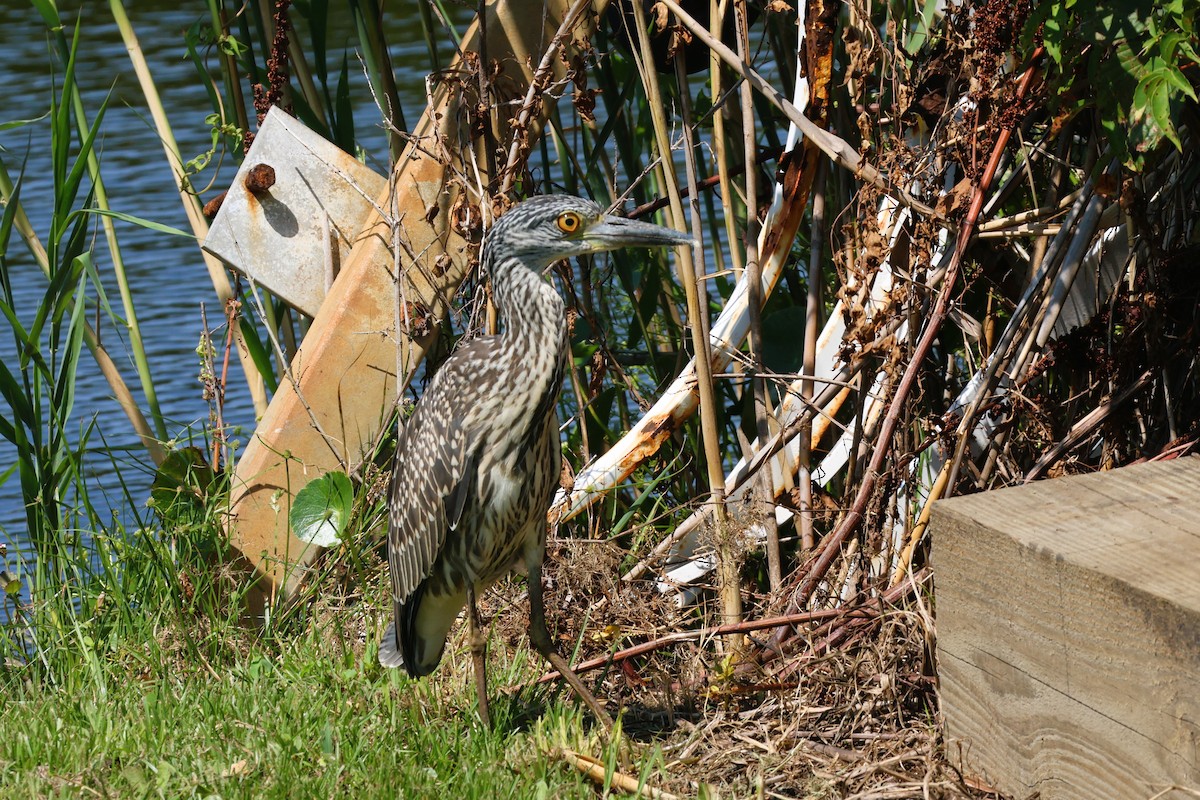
533 318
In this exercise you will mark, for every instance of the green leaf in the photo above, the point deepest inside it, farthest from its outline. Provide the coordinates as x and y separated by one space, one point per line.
1151 111
1160 106
322 509
48 11
1055 25
231 46
63 391
4 476
258 353
72 179
318 22
145 223
17 123
1173 77
921 28
343 122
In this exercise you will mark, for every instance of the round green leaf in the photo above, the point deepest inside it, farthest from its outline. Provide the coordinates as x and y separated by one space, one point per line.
322 509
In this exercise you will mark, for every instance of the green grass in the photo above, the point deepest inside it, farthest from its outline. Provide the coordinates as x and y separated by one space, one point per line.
146 683
301 718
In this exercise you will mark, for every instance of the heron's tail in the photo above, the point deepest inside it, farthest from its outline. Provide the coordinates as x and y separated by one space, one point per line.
390 653
417 636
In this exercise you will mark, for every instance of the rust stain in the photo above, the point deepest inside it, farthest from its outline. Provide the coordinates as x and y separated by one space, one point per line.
822 23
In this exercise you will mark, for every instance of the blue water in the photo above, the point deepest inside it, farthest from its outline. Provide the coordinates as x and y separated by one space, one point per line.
168 279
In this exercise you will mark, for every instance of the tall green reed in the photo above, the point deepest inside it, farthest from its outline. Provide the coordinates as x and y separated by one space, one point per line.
66 52
41 391
89 577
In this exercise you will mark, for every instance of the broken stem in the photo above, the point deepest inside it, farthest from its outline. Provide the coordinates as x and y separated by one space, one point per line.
728 572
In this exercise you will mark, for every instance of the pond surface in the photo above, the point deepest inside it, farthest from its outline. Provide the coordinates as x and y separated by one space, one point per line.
168 279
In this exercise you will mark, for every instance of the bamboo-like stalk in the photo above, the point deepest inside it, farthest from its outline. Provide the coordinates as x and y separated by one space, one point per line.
132 327
1086 425
728 559
220 22
766 514
729 573
716 21
812 323
596 771
191 203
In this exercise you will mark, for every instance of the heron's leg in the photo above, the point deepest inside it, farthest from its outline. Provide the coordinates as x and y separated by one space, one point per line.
540 636
478 638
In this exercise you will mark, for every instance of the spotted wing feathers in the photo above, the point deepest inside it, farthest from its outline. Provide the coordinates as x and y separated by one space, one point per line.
432 482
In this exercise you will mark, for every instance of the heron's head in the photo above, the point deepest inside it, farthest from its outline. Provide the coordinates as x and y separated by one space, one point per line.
544 229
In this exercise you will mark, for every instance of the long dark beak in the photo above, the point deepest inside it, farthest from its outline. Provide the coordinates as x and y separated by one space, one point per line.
611 233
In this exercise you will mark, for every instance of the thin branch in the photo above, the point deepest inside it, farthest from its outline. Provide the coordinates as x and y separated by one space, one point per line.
832 145
537 84
701 634
812 323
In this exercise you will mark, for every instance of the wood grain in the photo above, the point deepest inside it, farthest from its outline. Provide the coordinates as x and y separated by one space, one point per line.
1068 620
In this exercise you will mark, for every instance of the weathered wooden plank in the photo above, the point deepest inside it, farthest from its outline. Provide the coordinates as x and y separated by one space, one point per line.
1068 621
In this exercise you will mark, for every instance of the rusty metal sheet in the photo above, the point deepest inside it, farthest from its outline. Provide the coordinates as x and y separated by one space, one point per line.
274 224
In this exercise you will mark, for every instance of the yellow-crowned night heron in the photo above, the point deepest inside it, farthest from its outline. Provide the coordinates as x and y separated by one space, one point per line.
478 461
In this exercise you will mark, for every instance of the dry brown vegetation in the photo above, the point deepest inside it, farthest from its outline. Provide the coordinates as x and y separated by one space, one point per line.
1010 297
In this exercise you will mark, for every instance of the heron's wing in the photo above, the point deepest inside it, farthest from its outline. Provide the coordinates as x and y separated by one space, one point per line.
456 500
432 481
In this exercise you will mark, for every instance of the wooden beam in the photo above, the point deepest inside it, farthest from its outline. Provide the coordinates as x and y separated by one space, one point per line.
1068 622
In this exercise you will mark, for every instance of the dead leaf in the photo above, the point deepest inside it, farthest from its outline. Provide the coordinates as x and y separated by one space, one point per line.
661 16
681 37
955 199
1106 186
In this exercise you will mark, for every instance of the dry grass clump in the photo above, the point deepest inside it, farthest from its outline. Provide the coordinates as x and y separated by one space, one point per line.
857 720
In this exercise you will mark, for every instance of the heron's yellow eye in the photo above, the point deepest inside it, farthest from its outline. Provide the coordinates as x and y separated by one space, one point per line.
569 222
